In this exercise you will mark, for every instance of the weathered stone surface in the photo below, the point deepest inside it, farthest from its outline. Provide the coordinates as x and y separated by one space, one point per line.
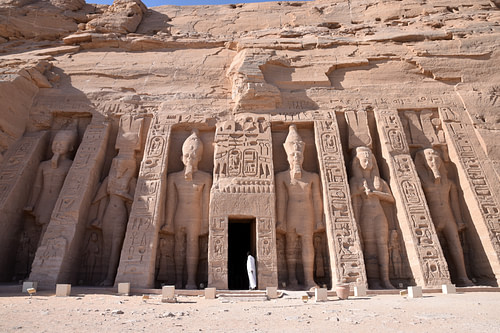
395 77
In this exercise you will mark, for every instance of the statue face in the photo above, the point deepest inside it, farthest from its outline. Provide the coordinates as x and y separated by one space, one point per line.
432 159
295 152
190 158
61 144
365 159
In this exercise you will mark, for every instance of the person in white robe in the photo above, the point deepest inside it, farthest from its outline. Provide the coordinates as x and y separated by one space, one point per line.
251 271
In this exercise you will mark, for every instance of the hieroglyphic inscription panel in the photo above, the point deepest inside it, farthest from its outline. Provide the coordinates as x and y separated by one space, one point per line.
243 185
137 261
425 255
57 256
17 174
479 194
346 256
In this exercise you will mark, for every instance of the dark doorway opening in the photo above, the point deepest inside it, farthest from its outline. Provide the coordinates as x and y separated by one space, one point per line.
241 240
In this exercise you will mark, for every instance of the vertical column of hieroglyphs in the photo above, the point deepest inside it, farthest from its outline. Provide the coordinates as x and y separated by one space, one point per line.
17 174
137 261
57 255
464 151
425 255
243 185
346 257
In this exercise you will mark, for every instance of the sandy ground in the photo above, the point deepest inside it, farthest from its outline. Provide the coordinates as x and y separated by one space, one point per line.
91 312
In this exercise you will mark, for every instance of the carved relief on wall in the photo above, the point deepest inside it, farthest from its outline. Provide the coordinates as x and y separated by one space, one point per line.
425 256
243 156
45 191
346 258
299 210
113 202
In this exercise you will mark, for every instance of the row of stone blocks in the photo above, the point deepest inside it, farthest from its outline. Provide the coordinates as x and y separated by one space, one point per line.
168 292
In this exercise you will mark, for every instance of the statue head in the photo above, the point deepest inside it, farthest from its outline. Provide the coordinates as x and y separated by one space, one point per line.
294 148
429 159
364 165
63 143
365 157
192 151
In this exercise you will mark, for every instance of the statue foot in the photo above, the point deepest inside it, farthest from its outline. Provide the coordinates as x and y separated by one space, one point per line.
106 283
464 282
374 284
294 285
387 284
311 286
191 286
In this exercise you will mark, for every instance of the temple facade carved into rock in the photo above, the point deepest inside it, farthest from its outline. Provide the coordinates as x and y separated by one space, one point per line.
337 142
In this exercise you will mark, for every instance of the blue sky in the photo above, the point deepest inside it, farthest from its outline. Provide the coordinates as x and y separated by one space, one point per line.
153 3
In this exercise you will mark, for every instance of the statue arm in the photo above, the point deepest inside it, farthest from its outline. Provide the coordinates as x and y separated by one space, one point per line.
455 207
101 200
385 194
37 188
281 200
205 206
318 204
171 205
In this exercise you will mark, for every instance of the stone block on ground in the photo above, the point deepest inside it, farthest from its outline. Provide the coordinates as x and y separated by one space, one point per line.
63 290
272 292
449 289
360 291
320 295
124 288
168 294
414 292
210 293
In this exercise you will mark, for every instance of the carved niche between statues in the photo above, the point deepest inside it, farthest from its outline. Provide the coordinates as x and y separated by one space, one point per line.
456 232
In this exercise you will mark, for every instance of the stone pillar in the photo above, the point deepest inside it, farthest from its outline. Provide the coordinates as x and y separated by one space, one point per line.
346 256
17 175
425 255
58 255
476 178
243 185
137 260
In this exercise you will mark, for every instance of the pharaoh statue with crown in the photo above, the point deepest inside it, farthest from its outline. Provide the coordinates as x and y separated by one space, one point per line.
299 210
188 195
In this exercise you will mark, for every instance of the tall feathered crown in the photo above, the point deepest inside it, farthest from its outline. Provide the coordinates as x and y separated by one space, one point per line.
193 143
293 136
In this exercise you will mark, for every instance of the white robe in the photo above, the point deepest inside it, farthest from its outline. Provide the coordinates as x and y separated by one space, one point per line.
251 272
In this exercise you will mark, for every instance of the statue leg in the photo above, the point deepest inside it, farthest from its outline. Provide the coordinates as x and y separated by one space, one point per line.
291 258
368 233
116 215
308 261
383 254
180 257
192 253
450 232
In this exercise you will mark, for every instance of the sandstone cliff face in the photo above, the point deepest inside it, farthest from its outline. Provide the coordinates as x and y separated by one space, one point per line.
63 63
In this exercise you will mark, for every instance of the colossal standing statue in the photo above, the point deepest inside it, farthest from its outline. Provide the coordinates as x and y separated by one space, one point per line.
367 191
50 179
188 196
116 195
299 209
442 198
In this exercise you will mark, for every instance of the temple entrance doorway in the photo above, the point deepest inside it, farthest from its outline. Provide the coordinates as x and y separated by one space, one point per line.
241 239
